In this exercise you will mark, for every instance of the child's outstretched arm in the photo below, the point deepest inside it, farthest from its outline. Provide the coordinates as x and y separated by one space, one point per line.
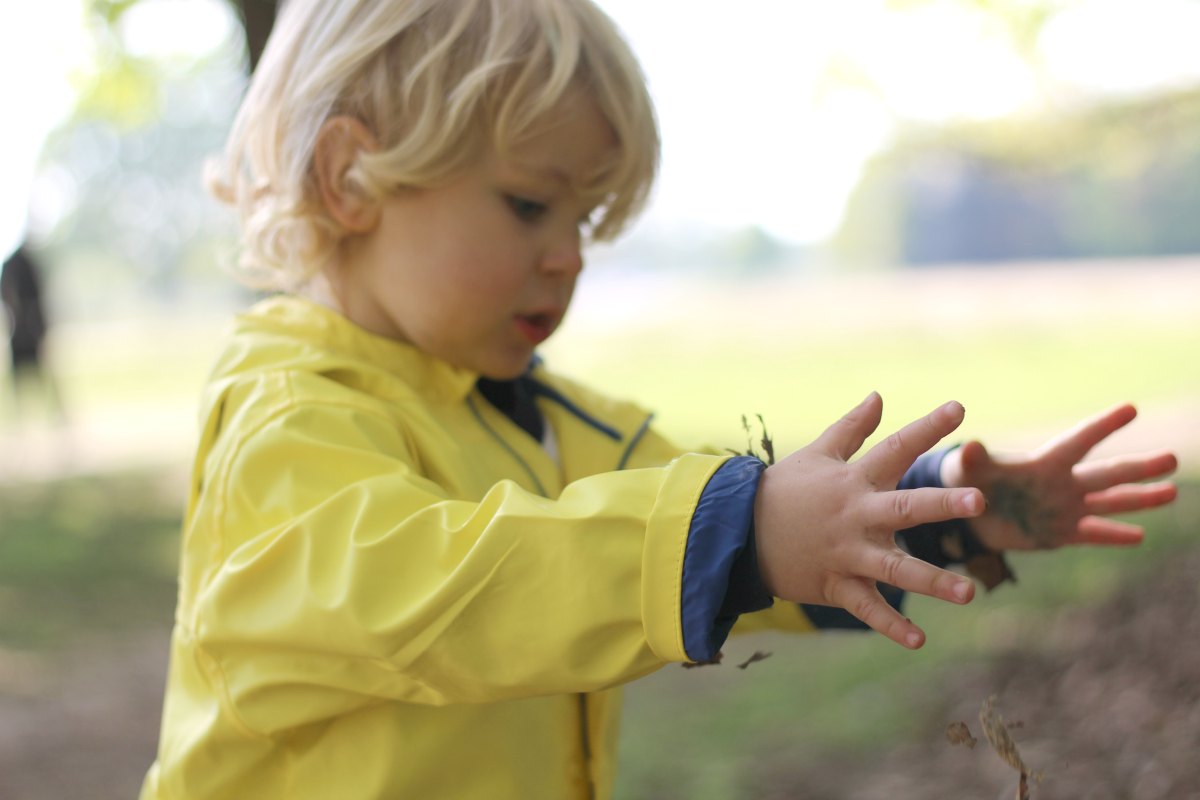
824 528
1051 497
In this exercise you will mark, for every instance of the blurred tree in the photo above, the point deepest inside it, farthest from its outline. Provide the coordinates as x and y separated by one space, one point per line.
1022 20
119 86
258 17
132 223
122 86
1118 179
1017 24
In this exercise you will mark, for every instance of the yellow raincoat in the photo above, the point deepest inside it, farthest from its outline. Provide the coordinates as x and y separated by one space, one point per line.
389 590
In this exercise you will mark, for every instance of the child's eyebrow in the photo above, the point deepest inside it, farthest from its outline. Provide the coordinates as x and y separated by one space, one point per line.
547 171
590 191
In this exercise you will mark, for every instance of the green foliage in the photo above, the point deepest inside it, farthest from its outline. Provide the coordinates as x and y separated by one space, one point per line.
121 90
1116 179
118 87
1022 20
109 12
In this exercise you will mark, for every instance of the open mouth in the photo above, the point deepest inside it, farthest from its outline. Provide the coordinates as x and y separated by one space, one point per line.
537 327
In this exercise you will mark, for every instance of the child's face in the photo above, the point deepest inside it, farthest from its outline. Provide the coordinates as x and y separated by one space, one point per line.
481 270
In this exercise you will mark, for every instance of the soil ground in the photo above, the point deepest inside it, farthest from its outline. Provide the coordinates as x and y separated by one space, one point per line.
84 723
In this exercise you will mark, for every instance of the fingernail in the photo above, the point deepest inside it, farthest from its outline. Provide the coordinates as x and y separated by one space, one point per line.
971 502
961 590
913 639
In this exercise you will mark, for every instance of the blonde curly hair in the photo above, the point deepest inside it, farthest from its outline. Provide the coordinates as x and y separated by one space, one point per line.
436 82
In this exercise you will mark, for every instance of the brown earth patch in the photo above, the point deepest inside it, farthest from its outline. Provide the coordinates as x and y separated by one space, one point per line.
1109 709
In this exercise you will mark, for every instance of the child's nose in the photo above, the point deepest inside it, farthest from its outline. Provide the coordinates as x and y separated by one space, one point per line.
564 256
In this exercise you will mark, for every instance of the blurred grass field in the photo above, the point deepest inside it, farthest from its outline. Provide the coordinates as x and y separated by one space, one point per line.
89 512
1027 350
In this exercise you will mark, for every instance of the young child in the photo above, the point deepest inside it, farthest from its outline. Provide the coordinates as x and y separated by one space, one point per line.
416 562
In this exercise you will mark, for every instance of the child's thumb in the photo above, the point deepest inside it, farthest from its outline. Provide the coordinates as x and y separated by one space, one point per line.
974 456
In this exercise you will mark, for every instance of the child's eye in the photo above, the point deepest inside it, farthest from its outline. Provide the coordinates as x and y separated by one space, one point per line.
526 210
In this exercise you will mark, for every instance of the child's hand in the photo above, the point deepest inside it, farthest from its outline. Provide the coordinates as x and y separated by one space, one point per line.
1047 498
825 528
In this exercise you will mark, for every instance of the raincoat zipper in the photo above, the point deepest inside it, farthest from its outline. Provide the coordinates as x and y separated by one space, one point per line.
507 447
585 743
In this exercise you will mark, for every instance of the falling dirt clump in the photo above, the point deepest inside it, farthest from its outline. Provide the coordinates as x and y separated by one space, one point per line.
959 733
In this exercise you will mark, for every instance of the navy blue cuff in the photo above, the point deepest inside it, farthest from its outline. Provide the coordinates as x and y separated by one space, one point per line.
929 542
926 471
720 566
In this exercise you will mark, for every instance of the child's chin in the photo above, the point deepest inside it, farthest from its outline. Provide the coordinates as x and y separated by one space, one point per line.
506 370
503 374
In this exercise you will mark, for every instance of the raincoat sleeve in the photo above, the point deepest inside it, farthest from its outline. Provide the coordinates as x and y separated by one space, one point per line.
330 573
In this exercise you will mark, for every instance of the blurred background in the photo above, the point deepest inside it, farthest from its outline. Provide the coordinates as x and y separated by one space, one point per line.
996 201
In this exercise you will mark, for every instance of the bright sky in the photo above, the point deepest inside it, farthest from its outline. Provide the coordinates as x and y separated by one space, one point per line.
752 134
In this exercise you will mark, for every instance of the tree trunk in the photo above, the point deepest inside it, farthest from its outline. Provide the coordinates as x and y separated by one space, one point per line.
258 17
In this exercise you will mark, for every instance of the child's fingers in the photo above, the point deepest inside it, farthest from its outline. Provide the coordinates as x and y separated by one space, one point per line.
896 510
886 462
1072 446
1099 530
863 600
845 437
1130 497
893 566
1096 475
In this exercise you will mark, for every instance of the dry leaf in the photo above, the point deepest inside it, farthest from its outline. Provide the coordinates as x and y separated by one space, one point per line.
998 737
767 444
996 731
1023 788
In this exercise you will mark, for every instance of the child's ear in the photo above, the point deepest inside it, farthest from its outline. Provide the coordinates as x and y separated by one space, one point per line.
339 143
